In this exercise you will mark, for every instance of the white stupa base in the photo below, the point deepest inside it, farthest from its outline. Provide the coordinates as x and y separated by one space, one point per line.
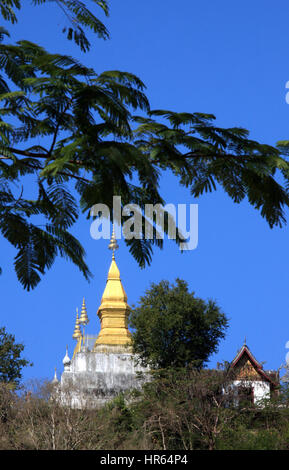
94 378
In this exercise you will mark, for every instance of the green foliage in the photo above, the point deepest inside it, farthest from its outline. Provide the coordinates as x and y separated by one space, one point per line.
86 108
76 14
204 156
11 362
178 410
77 136
173 328
121 421
6 9
242 438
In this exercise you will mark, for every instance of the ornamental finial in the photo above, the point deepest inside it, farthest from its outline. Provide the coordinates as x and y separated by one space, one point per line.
66 360
113 243
83 316
55 379
77 331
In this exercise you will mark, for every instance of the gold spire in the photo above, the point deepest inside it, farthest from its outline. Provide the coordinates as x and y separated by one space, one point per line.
113 243
77 335
113 311
83 320
77 331
83 316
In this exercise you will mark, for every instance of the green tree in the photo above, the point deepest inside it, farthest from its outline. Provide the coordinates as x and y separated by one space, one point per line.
11 362
77 135
173 328
77 16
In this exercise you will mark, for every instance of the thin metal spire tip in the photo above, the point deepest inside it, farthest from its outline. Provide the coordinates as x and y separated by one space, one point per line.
113 245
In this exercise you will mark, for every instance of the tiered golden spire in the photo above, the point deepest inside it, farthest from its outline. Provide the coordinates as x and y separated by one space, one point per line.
113 243
83 316
77 331
83 320
113 311
77 334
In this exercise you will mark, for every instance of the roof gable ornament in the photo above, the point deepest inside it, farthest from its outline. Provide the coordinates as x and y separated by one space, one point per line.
257 366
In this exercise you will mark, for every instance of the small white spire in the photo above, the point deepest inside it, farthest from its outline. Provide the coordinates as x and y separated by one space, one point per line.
55 379
66 360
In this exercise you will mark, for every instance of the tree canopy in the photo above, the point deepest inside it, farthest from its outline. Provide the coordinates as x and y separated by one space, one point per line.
11 362
84 136
174 328
76 14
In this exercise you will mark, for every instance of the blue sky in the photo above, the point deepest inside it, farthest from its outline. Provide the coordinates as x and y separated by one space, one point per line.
226 58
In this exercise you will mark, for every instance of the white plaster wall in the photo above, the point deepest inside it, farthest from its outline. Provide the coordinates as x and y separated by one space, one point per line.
261 389
95 378
100 362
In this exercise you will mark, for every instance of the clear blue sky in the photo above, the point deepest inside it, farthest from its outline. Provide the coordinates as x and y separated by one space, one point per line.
226 58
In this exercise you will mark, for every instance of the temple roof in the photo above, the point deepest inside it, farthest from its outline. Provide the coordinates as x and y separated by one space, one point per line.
238 361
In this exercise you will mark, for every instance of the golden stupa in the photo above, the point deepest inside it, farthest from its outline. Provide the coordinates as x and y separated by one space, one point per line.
113 311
